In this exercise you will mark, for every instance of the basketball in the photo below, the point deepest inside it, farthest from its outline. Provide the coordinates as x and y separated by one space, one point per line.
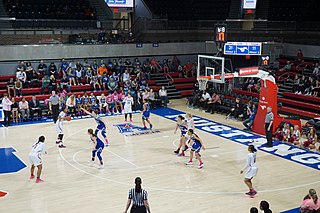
68 118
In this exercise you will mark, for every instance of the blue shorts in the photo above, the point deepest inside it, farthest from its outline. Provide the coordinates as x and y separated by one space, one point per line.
196 147
145 116
103 132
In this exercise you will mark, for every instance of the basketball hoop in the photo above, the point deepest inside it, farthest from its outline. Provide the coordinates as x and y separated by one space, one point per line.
203 80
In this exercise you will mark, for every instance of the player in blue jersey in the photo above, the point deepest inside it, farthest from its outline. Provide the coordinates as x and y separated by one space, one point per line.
146 114
196 145
101 125
183 126
97 149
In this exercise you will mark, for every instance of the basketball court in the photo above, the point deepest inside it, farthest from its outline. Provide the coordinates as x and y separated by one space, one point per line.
71 185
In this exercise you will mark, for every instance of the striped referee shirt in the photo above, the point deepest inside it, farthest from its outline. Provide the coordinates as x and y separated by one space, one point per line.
138 198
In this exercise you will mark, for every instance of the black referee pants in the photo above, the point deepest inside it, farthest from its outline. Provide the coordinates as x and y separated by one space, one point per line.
138 209
269 134
6 119
55 112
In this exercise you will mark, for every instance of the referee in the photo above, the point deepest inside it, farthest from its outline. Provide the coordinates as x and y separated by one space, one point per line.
139 198
54 106
268 126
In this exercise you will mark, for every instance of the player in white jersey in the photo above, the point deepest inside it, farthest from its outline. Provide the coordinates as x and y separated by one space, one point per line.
190 121
59 127
35 158
127 109
251 170
190 125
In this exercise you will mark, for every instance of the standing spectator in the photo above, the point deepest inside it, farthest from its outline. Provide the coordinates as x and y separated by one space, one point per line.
64 83
264 206
139 199
63 68
24 109
214 103
42 68
152 99
163 96
269 126
15 110
54 106
34 105
311 202
299 55
252 114
10 87
45 83
52 84
316 88
18 87
6 104
53 70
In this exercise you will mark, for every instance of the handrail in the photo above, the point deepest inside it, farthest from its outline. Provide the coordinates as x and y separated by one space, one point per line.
169 78
120 21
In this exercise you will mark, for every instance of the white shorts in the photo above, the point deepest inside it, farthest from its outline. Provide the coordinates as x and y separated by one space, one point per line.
127 109
59 127
35 160
251 172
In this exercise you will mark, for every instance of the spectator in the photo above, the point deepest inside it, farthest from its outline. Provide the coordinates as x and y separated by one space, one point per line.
45 83
34 81
104 81
63 68
155 66
94 66
135 84
264 206
205 98
250 84
143 83
249 121
115 77
72 65
287 67
79 76
117 101
310 203
316 88
85 65
213 103
188 69
42 68
299 55
34 105
309 84
6 104
254 210
79 66
93 101
125 76
175 63
29 70
110 103
236 110
64 83
103 106
315 72
24 109
52 84
102 70
53 69
71 105
71 76
136 63
88 75
85 101
312 138
18 87
152 99
102 36
296 82
112 85
195 97
163 96
21 67
15 110
302 85
95 83
21 75
11 87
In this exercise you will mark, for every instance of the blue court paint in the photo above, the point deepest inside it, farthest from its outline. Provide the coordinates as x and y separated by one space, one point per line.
10 163
129 129
285 151
296 210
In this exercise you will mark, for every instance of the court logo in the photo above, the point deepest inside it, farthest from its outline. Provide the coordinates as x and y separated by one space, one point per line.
3 194
129 129
10 163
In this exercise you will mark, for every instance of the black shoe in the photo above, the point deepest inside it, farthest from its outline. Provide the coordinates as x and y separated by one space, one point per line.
207 111
212 112
268 145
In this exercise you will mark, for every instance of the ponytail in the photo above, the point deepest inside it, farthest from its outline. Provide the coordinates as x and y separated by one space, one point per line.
313 195
138 184
252 148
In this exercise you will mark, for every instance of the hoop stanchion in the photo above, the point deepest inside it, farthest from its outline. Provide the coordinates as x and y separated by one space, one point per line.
203 80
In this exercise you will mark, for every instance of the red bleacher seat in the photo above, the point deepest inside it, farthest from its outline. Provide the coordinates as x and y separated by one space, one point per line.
302 97
81 87
6 77
3 85
155 88
184 86
151 82
184 80
186 93
31 91
302 113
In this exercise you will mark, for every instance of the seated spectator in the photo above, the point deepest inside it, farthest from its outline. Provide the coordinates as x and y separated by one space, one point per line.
42 68
72 65
71 73
136 63
134 85
117 102
21 67
287 67
71 105
102 69
316 88
85 101
95 83
11 87
53 84
64 83
63 68
45 83
85 65
193 100
24 109
29 70
310 203
79 66
94 66
250 84
88 75
15 111
213 103
53 70
154 65
205 98
103 106
79 76
34 79
236 110
34 106
112 85
316 72
302 85
312 138
163 96
295 136
296 82
102 36
264 207
21 75
143 83
110 103
165 66
18 87
125 76
249 121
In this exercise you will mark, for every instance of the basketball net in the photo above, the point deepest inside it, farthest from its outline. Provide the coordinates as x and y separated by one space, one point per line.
203 80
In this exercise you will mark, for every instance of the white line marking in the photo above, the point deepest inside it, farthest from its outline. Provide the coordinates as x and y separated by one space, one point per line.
124 159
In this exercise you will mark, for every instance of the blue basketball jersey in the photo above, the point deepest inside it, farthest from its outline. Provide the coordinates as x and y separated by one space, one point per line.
146 114
85 99
100 124
103 100
99 144
196 146
183 129
78 101
92 100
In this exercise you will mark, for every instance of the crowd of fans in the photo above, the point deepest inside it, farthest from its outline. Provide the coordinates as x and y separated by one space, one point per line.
114 78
